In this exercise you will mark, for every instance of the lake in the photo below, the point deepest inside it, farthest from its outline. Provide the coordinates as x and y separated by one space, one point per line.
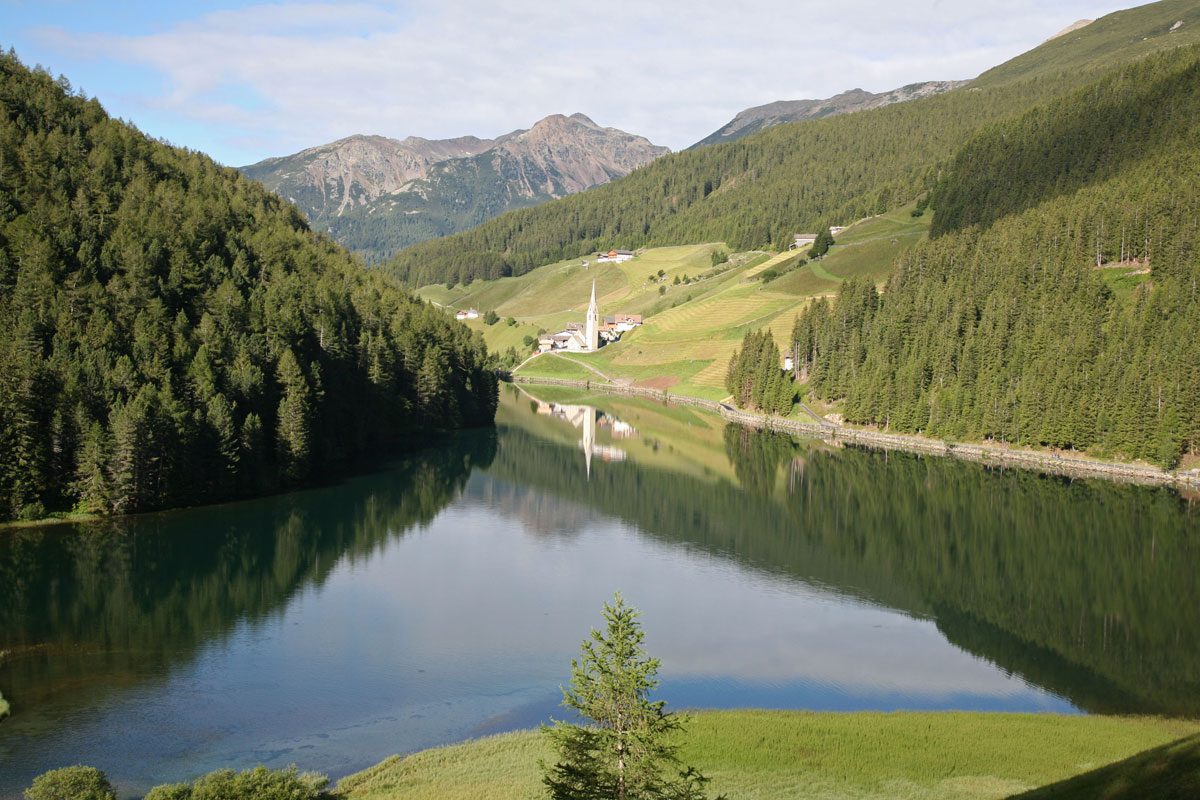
443 598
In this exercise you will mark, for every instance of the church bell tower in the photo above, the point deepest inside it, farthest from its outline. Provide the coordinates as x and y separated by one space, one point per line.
592 326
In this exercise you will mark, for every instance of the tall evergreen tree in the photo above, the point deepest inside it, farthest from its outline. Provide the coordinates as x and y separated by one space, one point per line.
629 750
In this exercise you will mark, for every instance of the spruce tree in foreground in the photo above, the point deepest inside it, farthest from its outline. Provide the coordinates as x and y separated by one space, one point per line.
629 751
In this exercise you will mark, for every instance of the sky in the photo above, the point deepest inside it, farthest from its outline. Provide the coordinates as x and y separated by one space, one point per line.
243 80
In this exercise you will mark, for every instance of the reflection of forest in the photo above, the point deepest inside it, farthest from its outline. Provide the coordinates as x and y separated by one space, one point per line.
1088 589
100 603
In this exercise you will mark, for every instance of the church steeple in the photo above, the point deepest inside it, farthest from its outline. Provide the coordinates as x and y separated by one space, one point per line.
592 326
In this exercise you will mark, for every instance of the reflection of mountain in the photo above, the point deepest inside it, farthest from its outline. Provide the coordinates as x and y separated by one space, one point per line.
1088 589
82 606
541 512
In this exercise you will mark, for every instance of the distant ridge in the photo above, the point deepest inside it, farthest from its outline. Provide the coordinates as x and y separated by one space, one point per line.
758 118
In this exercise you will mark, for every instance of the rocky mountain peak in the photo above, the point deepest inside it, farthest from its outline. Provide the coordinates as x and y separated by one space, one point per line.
382 177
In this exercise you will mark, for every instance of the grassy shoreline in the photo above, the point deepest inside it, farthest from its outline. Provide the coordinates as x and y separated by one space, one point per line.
764 755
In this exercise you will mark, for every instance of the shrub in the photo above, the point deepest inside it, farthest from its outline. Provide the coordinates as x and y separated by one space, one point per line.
170 791
71 783
491 318
259 783
32 511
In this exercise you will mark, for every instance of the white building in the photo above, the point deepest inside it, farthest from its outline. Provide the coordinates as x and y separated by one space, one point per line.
804 240
469 313
614 257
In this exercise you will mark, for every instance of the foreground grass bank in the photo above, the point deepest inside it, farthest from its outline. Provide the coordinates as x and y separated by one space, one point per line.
763 755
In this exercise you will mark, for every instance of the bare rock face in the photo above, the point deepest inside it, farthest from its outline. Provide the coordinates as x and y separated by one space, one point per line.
570 154
759 118
376 194
357 169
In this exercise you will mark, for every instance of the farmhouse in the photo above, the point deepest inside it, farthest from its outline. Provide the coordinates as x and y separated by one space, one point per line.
614 257
469 313
804 240
624 323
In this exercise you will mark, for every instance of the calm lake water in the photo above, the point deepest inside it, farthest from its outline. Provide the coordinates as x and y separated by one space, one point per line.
443 598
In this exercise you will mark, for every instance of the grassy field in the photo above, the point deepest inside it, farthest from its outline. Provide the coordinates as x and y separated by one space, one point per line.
763 755
691 328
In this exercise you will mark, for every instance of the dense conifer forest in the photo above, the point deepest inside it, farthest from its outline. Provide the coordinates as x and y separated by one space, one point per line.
1058 303
171 333
758 191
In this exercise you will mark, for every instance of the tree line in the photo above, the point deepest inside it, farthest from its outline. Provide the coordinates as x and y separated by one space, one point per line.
171 333
755 376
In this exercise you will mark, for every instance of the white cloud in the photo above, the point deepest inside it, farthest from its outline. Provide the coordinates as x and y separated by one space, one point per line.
272 78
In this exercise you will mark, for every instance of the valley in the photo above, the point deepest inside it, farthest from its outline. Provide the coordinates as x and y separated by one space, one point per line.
883 409
691 326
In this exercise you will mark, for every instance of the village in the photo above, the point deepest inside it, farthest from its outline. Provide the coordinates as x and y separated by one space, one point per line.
579 337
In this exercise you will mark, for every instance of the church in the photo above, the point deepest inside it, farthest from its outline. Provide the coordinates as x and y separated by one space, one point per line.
577 338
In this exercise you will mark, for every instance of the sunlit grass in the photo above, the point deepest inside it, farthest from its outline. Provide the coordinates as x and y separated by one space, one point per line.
763 755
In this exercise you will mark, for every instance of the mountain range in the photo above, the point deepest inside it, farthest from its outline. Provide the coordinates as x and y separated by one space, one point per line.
758 118
376 195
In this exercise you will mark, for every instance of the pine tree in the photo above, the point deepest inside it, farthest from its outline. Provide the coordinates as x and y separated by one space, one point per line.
822 244
91 480
628 751
293 431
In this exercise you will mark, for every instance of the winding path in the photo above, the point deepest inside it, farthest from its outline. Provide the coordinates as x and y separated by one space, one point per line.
607 378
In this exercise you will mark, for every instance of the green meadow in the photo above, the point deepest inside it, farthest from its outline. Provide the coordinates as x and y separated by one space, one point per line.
695 313
769 755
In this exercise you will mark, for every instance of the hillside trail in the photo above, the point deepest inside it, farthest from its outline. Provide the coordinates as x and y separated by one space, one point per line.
589 367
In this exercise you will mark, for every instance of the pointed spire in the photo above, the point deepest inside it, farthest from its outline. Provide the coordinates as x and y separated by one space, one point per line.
589 438
593 303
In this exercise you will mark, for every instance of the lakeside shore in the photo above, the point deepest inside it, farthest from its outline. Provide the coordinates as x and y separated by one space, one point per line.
986 454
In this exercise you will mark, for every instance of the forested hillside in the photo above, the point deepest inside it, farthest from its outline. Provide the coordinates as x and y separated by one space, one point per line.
171 333
1060 304
760 190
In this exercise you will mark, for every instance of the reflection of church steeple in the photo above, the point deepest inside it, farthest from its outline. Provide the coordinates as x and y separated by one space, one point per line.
589 438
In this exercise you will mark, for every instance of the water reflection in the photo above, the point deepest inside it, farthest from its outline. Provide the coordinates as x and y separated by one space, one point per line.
444 598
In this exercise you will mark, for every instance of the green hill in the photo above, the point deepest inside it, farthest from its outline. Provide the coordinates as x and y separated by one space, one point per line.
1103 44
757 191
1059 304
171 333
